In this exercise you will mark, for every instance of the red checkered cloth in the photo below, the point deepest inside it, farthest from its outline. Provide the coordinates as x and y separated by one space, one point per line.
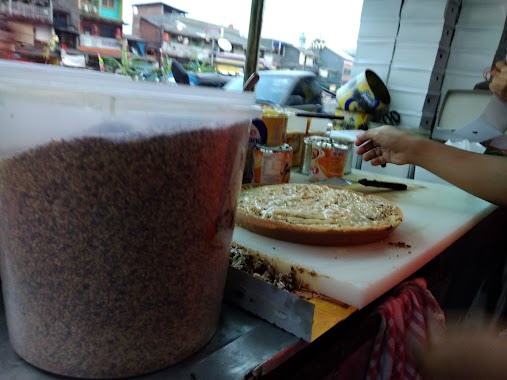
407 314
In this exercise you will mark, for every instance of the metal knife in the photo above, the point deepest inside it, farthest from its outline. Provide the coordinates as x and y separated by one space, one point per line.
320 115
375 183
278 306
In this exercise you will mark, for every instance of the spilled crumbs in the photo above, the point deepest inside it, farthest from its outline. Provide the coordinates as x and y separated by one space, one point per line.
399 244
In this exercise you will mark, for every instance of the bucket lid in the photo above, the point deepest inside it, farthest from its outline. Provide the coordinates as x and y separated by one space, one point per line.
41 103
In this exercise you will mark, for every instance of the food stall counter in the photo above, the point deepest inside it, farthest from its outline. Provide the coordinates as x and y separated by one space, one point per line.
435 217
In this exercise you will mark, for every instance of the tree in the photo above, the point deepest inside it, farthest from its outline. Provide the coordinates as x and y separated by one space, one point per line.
200 67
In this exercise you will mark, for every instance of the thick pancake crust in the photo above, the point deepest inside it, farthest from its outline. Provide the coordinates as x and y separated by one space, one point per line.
316 214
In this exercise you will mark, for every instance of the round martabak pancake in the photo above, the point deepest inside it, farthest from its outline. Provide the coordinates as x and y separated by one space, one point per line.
316 214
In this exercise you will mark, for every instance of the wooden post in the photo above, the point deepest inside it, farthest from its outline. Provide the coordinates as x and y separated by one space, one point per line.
254 37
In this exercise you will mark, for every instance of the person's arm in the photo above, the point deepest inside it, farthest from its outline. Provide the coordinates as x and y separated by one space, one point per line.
482 175
498 84
463 355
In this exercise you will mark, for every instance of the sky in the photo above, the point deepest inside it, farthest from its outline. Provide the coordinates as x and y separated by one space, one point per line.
334 21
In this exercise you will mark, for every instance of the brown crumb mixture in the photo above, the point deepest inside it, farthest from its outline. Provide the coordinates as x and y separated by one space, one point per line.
251 262
399 244
114 254
248 261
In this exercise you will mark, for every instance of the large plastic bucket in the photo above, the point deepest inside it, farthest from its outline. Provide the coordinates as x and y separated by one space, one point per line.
117 204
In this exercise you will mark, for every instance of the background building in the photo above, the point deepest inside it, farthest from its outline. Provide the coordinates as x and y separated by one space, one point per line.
79 32
333 67
31 24
168 31
66 23
100 26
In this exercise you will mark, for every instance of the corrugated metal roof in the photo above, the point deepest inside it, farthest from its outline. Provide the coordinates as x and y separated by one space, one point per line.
344 55
160 3
197 29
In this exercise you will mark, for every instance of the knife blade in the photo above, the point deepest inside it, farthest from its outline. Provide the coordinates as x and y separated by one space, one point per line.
375 183
278 306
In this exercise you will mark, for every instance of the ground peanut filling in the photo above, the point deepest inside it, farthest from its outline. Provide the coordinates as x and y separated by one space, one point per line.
317 205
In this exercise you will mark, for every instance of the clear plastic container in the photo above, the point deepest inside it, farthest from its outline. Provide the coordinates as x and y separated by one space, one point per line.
117 205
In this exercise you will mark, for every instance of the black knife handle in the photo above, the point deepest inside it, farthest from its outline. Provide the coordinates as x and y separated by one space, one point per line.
388 185
320 115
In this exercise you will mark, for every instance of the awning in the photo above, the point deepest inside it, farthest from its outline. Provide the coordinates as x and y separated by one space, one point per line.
229 70
105 52
73 60
67 29
102 20
31 51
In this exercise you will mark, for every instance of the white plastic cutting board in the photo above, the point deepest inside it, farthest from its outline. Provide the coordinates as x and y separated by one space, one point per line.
434 217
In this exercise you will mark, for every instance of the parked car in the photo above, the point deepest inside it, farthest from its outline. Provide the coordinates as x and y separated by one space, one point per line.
204 79
289 88
209 79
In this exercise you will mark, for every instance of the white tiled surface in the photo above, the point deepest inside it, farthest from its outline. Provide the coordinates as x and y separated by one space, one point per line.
431 9
456 79
375 49
381 9
473 60
482 13
378 28
420 56
415 78
484 38
413 100
425 31
422 120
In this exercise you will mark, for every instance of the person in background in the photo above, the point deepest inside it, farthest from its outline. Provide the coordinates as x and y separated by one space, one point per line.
484 176
499 83
459 353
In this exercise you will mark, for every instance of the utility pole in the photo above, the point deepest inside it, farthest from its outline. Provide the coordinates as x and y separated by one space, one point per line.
212 51
254 37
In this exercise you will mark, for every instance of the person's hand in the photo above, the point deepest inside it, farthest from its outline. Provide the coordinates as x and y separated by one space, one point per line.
463 354
498 83
383 145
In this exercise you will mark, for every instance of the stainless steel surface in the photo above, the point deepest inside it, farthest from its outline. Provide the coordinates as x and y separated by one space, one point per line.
306 155
275 305
241 343
350 152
